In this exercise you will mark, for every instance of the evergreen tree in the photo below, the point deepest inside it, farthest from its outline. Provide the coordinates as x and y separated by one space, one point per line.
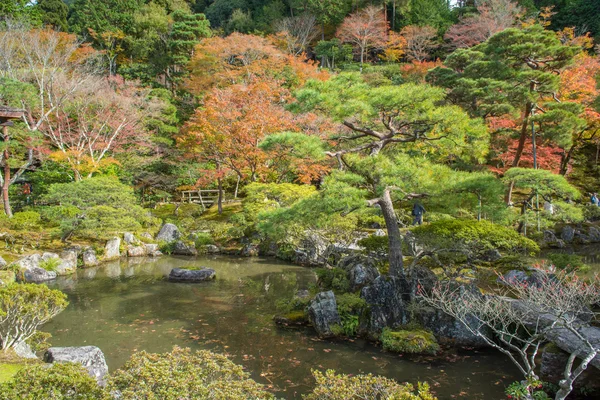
53 13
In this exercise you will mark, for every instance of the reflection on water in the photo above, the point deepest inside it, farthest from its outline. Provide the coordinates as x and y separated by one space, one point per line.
590 254
129 306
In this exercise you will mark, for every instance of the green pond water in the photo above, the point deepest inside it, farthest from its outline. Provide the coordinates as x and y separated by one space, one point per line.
128 306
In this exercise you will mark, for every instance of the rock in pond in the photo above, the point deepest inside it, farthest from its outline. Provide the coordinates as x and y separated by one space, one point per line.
567 234
112 250
386 298
168 233
249 250
136 251
91 357
182 249
186 275
30 270
152 250
89 258
129 238
553 365
323 314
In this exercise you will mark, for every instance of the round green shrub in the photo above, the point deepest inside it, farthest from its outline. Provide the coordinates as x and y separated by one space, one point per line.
182 374
416 341
26 220
61 381
331 386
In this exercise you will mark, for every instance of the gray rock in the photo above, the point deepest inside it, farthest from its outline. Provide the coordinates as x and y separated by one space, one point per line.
186 275
212 249
569 342
136 251
553 365
593 234
361 270
71 254
91 357
567 234
513 277
323 314
422 279
168 233
89 258
549 236
23 350
447 329
38 275
129 238
302 294
152 250
48 256
183 249
147 235
66 267
380 232
386 298
491 255
2 262
249 250
312 251
30 270
112 250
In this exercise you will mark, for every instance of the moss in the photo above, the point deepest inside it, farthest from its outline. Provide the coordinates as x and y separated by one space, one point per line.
212 214
7 277
7 371
333 279
298 316
417 341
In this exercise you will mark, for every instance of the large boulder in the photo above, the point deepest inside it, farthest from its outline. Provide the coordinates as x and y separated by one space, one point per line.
312 251
152 250
323 314
553 365
130 239
67 261
186 275
570 342
593 234
386 297
136 251
361 270
91 357
112 250
23 350
30 270
182 249
89 258
449 330
567 234
515 277
422 279
168 233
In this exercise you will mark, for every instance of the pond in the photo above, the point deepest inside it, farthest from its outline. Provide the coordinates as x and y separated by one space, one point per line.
128 306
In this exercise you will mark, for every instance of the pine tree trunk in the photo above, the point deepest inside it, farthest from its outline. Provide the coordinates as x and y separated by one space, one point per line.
6 183
394 236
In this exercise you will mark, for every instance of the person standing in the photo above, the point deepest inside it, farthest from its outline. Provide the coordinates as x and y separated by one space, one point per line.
595 200
417 212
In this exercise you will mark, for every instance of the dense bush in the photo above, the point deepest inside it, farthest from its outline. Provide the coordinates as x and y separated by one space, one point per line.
331 386
334 279
25 307
26 220
182 374
95 208
57 382
414 341
474 236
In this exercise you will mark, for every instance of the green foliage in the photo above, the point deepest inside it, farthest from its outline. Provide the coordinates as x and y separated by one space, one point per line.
183 374
24 307
331 386
96 208
60 381
50 264
53 13
39 341
333 279
333 52
542 182
476 236
417 341
532 389
377 244
350 307
26 220
567 261
203 239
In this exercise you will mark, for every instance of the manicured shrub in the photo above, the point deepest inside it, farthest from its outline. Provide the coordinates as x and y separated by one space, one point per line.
182 374
331 386
26 220
333 279
25 307
417 341
475 236
61 381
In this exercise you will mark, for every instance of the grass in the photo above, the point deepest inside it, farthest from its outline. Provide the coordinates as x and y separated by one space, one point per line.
229 209
7 371
10 364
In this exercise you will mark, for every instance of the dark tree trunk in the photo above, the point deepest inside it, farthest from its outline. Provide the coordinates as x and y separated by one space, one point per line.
5 199
394 237
220 198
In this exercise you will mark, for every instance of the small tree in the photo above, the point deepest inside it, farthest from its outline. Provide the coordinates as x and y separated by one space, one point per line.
525 315
297 32
419 41
25 307
366 29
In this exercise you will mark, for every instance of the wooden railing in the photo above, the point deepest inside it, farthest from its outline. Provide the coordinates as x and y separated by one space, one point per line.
206 198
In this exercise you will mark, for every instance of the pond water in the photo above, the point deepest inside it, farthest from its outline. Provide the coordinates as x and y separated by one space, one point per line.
590 255
129 306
